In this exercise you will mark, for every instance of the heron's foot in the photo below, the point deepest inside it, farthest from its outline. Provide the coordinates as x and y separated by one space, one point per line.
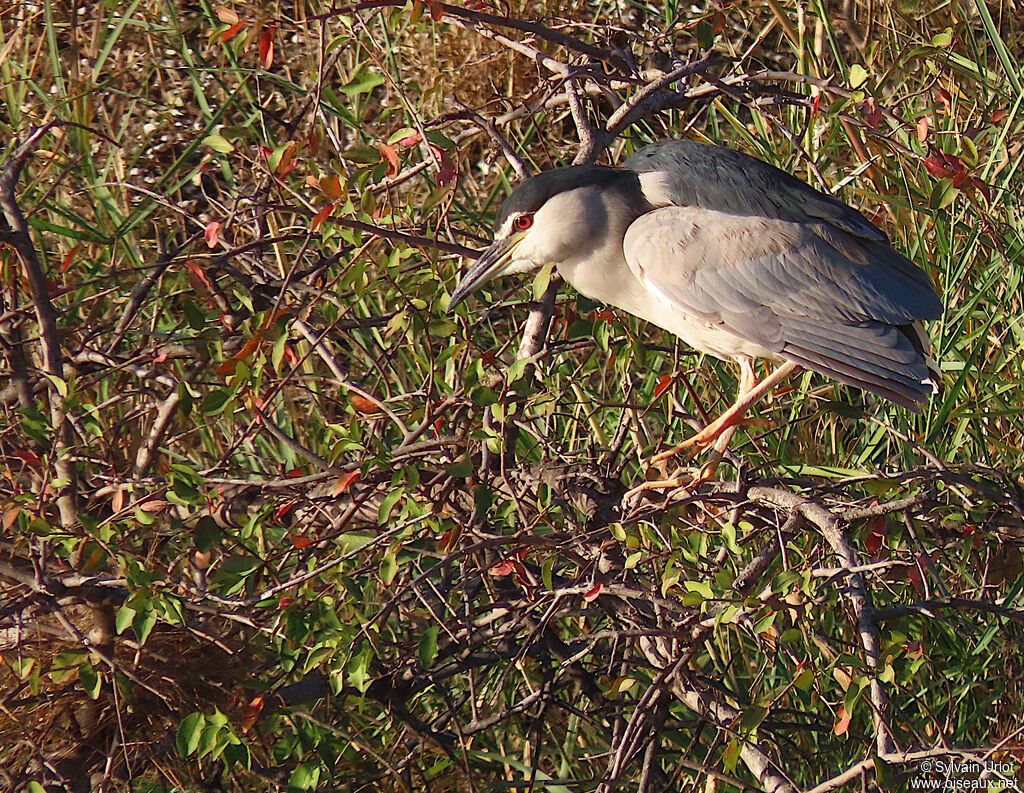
682 482
708 436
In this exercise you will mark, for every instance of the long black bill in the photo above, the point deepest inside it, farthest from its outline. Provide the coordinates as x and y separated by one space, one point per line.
490 265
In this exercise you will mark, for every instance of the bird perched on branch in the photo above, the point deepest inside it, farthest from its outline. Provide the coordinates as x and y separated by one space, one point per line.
737 258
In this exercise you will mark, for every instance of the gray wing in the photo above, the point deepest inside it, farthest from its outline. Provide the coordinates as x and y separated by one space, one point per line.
713 177
833 302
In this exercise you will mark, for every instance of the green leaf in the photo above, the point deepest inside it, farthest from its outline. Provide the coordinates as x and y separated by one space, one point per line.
388 568
542 280
547 573
388 504
218 143
361 82
189 732
461 468
428 646
765 622
124 618
214 401
91 681
858 76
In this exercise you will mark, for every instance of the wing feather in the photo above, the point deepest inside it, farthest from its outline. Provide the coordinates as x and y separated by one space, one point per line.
837 303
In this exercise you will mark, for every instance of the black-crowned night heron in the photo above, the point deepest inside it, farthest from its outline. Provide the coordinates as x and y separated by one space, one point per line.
736 257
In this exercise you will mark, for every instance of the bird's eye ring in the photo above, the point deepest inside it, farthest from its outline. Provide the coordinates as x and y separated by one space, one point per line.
523 222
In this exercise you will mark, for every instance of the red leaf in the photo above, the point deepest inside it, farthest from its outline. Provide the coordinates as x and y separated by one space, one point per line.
945 100
27 457
448 170
410 140
197 271
321 217
267 47
211 233
502 568
66 261
937 167
605 315
389 154
663 384
344 482
876 535
283 510
998 116
290 356
594 593
231 32
816 104
436 10
872 115
117 502
154 505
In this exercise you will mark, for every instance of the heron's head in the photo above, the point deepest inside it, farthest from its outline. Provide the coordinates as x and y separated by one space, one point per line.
554 217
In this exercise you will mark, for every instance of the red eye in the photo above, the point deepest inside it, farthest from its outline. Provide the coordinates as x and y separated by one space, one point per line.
523 222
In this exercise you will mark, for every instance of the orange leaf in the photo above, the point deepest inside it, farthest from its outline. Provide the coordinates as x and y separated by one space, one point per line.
331 187
842 721
212 228
267 47
250 712
117 502
362 404
300 541
246 352
663 385
231 32
226 15
27 457
389 154
412 140
345 481
11 517
923 125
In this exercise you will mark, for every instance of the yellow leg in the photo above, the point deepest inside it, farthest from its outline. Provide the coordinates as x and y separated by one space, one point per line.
749 392
718 434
